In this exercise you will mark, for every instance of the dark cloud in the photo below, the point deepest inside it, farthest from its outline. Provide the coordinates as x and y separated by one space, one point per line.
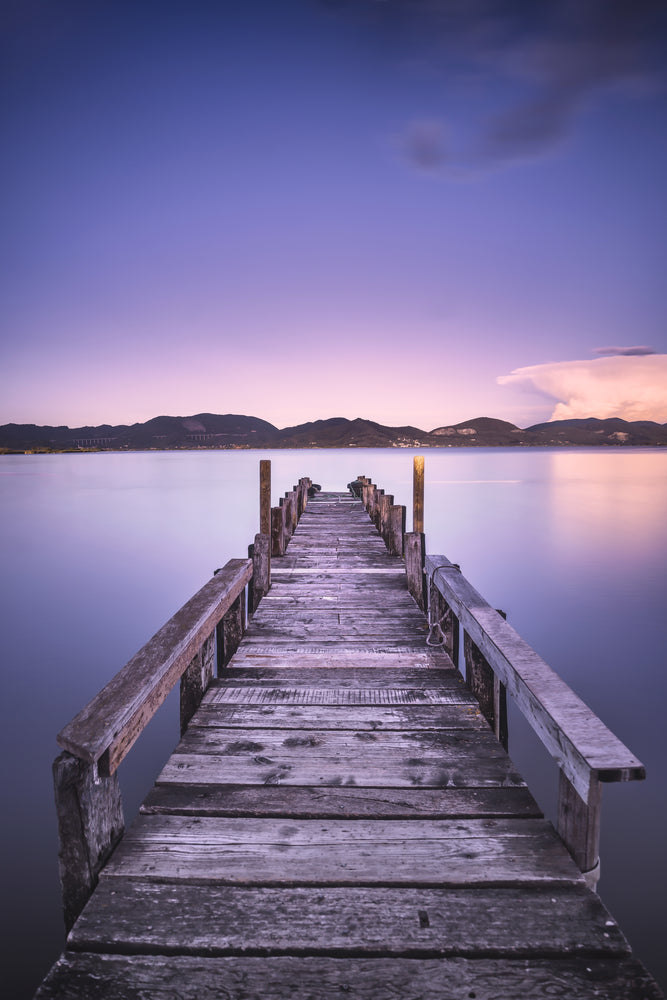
545 60
623 351
424 144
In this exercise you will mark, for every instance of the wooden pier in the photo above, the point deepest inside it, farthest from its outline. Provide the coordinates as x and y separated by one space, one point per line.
340 817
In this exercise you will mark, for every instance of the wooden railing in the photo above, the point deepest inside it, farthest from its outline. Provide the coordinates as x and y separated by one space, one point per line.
498 660
198 640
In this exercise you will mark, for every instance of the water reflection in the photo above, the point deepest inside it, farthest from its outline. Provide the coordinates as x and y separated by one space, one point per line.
99 550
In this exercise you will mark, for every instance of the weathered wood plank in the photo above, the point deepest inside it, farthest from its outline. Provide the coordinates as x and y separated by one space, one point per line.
128 977
337 801
363 770
457 715
414 678
128 915
111 722
372 745
271 695
342 852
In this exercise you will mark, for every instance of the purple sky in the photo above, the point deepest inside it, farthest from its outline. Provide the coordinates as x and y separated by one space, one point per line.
415 212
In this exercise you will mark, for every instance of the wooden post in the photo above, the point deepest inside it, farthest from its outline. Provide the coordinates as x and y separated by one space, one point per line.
415 558
487 688
196 679
277 531
479 678
261 570
230 631
442 614
397 516
386 503
265 497
90 824
377 506
366 490
418 494
286 504
579 826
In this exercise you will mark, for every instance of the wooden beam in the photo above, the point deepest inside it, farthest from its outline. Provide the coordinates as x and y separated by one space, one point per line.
415 553
110 723
577 739
418 494
265 497
277 531
261 570
397 518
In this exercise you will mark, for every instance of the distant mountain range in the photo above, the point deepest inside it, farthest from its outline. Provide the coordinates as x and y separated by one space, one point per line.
210 430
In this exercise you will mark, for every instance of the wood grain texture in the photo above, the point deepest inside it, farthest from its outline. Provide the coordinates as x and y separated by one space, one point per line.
342 801
130 915
342 852
86 976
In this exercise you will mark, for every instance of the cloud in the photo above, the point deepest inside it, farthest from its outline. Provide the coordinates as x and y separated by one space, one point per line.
424 144
633 387
625 351
517 74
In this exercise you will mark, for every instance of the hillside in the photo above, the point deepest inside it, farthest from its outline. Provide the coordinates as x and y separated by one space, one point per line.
210 430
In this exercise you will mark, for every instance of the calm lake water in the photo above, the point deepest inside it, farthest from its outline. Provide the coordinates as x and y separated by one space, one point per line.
99 550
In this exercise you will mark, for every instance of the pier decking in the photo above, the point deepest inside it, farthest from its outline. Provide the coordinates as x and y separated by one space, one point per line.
339 819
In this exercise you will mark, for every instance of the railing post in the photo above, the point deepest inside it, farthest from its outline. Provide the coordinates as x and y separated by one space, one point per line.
196 679
442 615
90 824
230 631
578 826
479 678
487 688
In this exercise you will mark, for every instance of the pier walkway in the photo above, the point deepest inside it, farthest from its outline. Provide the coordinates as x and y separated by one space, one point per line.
339 819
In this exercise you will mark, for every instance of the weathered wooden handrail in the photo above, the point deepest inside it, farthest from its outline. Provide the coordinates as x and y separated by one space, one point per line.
586 751
498 660
106 728
87 792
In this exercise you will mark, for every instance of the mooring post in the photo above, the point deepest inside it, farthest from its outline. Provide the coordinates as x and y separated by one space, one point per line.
415 541
418 493
259 586
265 497
277 531
397 518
